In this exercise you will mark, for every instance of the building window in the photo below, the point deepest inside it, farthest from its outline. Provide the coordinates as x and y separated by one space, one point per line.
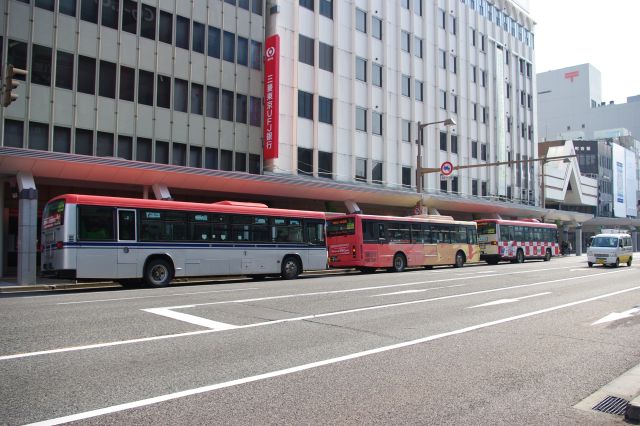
84 142
405 38
13 133
454 144
419 90
197 98
243 51
86 82
376 123
474 187
442 18
443 141
143 149
127 83
453 24
406 85
484 188
376 172
361 119
125 147
256 7
62 140
213 42
107 80
104 146
325 110
376 28
483 152
41 65
454 64
213 102
326 57
241 162
165 33
361 169
182 32
197 38
417 7
148 22
163 95
454 184
443 99
473 37
145 87
195 156
361 69
179 154
442 59
228 47
254 164
211 158
376 74
361 20
89 11
305 50
256 55
67 7
38 136
326 8
180 95
241 108
305 105
226 160
325 165
483 75
17 56
255 111
307 4
129 15
305 161
443 185
417 47
454 103
485 115
406 177
406 131
64 70
227 108
474 111
404 4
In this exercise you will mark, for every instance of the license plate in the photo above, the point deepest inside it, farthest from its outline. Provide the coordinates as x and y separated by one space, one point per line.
333 258
600 262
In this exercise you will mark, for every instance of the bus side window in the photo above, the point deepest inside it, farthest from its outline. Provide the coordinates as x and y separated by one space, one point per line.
314 233
96 223
382 233
427 236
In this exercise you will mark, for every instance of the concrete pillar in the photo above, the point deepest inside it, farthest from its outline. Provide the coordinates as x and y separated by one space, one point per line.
578 244
634 239
2 234
161 192
565 233
27 229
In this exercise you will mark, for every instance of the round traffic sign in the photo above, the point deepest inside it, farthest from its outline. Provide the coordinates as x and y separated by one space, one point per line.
446 168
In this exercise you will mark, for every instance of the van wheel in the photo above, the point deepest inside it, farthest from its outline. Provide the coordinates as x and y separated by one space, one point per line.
399 263
158 273
547 256
459 260
590 264
290 268
520 256
629 261
617 264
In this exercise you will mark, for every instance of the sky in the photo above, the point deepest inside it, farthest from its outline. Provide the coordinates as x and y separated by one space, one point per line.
604 33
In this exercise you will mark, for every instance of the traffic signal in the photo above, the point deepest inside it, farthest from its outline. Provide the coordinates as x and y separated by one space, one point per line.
10 84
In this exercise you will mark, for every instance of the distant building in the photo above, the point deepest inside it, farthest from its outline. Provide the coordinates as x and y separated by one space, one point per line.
570 106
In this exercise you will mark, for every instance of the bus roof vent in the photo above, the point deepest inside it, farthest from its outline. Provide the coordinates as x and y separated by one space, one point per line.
240 204
530 220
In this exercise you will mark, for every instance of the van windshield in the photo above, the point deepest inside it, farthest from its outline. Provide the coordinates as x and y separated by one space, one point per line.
605 242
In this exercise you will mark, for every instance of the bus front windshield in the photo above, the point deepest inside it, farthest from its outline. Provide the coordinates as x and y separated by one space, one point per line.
486 228
342 226
53 214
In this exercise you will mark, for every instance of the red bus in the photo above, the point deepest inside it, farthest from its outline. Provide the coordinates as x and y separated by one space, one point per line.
516 240
368 242
130 240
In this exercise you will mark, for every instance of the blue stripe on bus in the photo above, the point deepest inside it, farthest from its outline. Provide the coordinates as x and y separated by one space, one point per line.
189 245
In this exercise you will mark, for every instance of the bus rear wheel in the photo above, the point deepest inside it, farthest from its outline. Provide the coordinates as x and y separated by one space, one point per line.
459 260
520 256
547 256
399 263
290 268
158 273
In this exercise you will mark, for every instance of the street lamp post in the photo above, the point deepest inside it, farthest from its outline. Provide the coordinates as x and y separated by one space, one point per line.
419 170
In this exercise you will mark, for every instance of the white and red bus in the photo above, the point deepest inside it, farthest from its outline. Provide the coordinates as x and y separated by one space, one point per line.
129 240
516 240
368 242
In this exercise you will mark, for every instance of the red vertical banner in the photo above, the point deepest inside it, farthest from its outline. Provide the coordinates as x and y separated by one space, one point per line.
271 98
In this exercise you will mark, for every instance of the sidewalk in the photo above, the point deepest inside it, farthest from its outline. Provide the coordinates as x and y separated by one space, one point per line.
9 285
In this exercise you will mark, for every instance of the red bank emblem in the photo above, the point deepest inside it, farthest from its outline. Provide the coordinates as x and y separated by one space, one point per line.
571 75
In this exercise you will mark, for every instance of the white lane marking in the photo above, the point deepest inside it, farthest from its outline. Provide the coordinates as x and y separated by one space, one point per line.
576 269
352 290
503 301
155 295
614 316
306 317
303 367
406 292
476 272
192 319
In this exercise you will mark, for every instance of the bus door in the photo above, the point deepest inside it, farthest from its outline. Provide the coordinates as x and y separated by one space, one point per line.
430 244
127 254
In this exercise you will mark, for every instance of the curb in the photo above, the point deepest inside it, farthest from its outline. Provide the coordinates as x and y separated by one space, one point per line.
54 287
632 412
626 387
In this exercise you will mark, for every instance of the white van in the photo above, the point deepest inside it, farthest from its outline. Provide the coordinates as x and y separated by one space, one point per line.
610 249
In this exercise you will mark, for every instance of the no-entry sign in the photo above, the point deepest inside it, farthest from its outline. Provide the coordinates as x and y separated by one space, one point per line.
446 168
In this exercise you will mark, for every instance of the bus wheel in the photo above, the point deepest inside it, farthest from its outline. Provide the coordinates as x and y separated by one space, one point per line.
399 263
158 273
519 256
547 256
629 261
459 260
290 268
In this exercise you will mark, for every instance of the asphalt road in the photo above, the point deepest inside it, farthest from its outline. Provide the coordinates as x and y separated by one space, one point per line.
505 344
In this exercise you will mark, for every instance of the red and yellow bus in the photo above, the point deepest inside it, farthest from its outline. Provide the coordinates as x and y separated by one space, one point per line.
368 242
130 240
516 240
